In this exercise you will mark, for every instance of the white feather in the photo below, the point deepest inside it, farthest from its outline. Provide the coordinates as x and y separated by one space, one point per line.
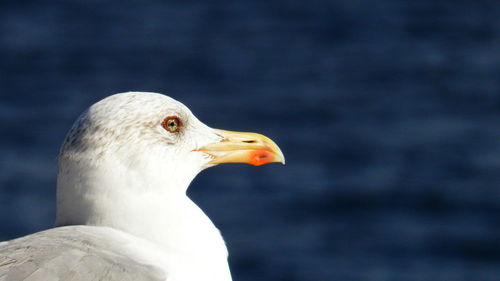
119 168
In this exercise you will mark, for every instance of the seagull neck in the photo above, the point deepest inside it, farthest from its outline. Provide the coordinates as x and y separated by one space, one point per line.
157 210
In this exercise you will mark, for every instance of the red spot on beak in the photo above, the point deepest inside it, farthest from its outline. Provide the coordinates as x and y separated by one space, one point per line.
260 157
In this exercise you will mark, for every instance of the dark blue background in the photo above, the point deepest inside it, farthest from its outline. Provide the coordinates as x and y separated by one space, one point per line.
388 113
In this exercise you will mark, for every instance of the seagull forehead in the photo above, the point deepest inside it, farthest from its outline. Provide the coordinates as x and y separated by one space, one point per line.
131 118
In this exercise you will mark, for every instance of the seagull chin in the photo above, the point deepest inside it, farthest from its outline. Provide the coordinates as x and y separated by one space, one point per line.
124 169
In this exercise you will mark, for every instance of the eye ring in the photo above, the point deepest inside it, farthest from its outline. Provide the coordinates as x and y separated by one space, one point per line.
172 124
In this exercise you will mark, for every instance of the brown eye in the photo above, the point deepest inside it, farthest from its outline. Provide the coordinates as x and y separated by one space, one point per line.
172 124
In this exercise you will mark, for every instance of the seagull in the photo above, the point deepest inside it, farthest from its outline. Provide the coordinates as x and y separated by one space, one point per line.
122 209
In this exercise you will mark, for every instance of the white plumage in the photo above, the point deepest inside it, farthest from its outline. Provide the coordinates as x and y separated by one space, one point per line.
122 179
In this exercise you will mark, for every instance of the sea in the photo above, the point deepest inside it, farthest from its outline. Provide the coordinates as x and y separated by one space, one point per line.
388 114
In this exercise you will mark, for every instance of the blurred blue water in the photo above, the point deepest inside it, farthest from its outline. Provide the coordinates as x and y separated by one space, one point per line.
388 114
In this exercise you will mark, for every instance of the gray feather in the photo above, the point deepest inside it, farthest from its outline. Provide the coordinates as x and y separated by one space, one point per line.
71 253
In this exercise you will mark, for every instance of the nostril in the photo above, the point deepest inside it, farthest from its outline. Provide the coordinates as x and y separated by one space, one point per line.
249 141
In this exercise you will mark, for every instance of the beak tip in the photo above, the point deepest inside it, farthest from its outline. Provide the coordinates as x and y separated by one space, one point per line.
279 154
281 159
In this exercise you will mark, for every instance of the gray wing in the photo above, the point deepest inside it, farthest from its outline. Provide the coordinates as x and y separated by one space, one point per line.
71 253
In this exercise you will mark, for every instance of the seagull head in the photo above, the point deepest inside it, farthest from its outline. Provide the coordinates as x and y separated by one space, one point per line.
140 143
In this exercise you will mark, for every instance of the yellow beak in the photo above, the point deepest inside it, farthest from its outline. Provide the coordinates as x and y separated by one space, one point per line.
239 147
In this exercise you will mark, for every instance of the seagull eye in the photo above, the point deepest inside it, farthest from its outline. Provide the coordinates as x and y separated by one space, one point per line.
172 124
